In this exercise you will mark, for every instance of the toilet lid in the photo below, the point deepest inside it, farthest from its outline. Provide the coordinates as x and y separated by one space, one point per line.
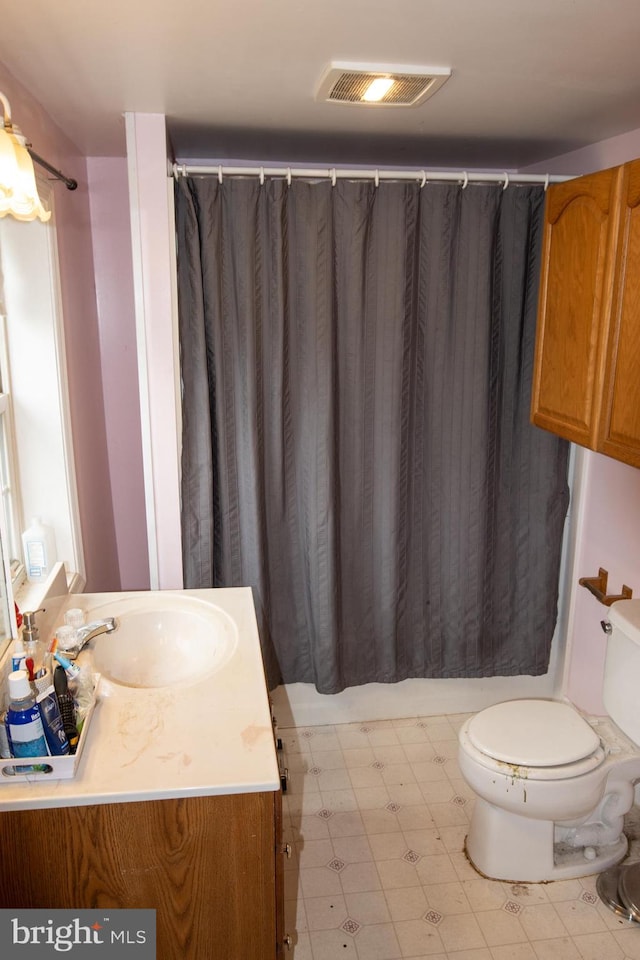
533 733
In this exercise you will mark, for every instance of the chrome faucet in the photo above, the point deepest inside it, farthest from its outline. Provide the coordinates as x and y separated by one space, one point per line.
87 632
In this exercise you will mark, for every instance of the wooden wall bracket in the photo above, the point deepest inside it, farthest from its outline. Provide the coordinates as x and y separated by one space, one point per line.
598 587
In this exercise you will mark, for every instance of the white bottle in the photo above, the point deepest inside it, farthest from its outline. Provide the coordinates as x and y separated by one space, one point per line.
39 546
18 655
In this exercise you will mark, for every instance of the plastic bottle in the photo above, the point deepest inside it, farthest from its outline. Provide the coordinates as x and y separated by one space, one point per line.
39 546
18 654
52 723
23 721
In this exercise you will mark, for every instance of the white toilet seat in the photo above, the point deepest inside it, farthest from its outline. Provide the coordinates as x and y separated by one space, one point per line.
537 739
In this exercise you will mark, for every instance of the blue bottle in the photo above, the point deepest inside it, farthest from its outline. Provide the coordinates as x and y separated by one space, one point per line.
52 723
23 721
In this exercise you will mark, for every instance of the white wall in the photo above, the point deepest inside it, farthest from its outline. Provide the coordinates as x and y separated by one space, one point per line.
609 539
597 156
152 242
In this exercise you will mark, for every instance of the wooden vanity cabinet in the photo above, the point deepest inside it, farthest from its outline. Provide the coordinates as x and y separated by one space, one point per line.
210 866
586 383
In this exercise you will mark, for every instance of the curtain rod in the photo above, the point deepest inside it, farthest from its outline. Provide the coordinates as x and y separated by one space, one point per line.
68 181
177 170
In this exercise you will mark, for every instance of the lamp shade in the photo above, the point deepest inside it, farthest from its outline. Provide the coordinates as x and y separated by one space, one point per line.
8 171
18 191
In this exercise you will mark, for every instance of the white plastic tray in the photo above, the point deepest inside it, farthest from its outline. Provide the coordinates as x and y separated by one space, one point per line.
55 768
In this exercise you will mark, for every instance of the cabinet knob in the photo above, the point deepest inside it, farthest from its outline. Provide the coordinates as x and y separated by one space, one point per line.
288 851
288 942
606 626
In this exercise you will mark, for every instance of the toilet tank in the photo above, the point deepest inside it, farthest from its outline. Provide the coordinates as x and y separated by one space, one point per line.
621 690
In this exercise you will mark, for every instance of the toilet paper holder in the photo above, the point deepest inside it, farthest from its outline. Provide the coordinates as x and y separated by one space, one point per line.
598 587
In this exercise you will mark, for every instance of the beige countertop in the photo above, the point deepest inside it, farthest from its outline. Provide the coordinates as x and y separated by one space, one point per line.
211 735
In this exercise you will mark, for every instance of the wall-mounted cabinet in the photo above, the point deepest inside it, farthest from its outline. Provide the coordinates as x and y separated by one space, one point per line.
586 384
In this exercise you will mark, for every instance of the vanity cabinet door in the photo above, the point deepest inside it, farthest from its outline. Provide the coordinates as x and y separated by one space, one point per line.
207 865
620 433
580 234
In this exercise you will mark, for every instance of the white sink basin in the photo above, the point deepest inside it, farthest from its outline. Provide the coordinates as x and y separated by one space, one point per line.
162 641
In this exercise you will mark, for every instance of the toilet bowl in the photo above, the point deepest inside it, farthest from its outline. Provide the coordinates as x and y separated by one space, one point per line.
552 786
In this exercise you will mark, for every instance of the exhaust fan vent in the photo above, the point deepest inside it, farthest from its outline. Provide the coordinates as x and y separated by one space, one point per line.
380 85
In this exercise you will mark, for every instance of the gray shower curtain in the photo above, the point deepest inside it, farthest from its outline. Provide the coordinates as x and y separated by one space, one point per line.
356 370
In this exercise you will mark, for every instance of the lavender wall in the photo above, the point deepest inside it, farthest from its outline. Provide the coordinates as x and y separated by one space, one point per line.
73 226
608 521
109 203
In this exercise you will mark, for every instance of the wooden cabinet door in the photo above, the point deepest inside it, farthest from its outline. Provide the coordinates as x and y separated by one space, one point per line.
620 432
581 226
207 865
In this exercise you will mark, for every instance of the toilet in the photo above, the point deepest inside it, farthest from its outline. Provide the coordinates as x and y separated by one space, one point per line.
552 786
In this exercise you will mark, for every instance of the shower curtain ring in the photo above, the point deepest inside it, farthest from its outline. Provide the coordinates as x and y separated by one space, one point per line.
376 179
424 180
220 173
465 182
506 181
261 176
546 182
333 176
288 176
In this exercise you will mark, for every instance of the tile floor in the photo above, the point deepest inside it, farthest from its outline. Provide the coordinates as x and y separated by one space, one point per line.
376 815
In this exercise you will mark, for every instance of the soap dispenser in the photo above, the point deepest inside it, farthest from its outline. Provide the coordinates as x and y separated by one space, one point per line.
31 637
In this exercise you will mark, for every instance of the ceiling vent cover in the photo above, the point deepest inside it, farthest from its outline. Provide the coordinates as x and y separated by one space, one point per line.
405 86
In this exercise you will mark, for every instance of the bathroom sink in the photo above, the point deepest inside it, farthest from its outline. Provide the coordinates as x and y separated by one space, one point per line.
161 641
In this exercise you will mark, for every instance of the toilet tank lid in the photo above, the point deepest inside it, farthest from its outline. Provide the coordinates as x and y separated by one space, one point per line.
533 733
625 614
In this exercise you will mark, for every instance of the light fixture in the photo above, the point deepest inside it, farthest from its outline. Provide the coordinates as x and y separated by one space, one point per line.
18 191
377 89
379 85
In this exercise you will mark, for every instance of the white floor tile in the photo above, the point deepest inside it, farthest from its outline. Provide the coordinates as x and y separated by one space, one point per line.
388 846
377 941
417 938
397 873
360 878
406 903
561 949
353 849
369 907
345 824
597 946
331 944
377 815
325 913
461 933
314 853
